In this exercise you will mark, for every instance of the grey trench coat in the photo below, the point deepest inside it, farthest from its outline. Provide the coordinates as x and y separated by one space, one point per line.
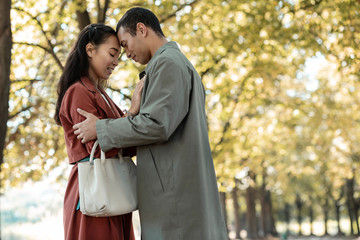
177 189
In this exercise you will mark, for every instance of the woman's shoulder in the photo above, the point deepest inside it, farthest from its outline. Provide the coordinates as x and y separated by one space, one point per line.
77 89
77 95
78 86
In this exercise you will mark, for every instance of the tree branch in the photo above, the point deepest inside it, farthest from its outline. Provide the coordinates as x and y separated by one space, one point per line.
51 50
309 5
119 91
20 111
99 11
217 60
99 8
13 136
106 6
25 80
102 11
35 45
227 123
173 14
58 24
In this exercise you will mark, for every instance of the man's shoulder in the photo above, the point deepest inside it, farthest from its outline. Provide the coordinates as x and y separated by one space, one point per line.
169 55
163 59
171 50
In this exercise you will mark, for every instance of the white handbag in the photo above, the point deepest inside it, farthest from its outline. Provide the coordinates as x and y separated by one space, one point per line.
107 186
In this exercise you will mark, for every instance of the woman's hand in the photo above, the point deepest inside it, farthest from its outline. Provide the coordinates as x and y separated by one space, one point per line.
136 98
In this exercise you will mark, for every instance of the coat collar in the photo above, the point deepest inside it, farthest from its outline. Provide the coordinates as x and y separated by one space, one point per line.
114 111
167 45
88 84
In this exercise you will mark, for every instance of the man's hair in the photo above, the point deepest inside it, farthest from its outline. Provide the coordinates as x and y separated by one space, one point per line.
139 15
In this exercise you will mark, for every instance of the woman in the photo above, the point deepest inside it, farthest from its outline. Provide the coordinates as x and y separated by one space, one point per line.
88 66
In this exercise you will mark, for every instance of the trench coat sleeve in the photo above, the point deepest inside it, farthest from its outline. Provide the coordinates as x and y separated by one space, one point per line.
78 97
165 103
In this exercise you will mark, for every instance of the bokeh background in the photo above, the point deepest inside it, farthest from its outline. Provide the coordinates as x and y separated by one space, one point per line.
282 82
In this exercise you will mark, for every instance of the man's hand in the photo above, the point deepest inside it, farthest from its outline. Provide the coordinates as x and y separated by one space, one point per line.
86 130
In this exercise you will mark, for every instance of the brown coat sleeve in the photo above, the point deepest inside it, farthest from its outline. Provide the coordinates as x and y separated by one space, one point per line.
77 96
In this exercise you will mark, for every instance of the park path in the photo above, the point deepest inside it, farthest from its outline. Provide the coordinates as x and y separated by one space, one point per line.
310 238
323 238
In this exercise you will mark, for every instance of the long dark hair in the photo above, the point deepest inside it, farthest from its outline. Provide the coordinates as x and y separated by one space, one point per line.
77 63
135 15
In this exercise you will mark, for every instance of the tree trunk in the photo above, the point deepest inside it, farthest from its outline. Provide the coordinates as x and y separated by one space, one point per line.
234 196
337 210
5 61
267 217
299 205
337 213
102 11
251 221
356 215
287 218
311 216
82 14
326 215
350 202
264 210
223 206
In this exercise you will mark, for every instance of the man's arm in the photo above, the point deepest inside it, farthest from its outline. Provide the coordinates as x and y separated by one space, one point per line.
86 130
165 105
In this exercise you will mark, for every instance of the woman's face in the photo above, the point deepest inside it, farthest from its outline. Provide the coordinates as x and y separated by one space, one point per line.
104 58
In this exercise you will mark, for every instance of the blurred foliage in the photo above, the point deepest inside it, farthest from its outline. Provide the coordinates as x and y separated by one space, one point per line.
281 77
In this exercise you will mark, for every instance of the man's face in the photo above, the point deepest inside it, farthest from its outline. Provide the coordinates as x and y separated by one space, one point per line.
135 46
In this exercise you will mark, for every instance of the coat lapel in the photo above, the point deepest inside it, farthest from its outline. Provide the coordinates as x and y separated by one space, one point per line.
114 111
114 108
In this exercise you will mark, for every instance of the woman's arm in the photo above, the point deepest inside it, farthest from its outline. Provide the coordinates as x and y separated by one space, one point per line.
78 96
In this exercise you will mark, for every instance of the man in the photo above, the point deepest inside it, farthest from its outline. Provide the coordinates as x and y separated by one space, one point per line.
177 190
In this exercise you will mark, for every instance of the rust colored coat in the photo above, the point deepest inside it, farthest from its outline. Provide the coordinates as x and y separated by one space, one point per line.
77 226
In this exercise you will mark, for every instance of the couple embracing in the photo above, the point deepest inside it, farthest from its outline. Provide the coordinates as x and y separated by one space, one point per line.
165 128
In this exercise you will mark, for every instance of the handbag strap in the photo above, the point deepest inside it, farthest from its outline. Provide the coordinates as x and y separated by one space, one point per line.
102 154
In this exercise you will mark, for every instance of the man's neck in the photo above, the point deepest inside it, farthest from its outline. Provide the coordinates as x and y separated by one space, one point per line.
158 43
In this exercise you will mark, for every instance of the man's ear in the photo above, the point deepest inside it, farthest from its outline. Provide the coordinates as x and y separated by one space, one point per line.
89 49
141 29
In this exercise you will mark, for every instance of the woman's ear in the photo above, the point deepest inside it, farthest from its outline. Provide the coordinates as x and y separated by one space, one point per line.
89 49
